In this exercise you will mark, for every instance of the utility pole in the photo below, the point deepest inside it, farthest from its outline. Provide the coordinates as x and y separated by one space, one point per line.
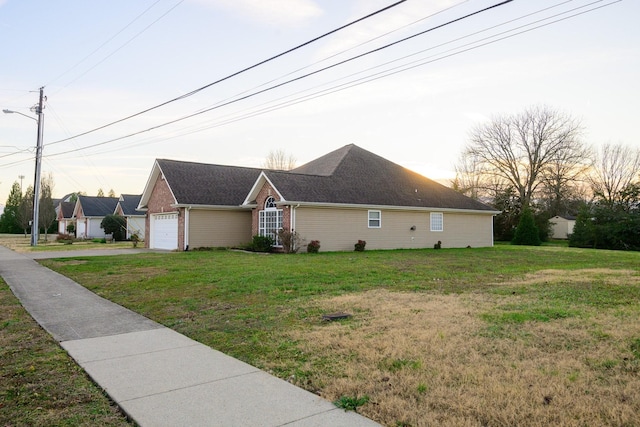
36 184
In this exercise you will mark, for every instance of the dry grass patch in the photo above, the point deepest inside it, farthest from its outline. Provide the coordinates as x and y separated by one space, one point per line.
431 359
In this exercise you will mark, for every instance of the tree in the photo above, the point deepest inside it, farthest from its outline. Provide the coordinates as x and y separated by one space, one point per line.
47 211
527 232
523 149
25 211
100 192
115 225
614 172
279 160
112 193
9 220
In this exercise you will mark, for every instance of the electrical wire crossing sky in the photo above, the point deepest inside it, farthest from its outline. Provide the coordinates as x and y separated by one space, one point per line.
225 82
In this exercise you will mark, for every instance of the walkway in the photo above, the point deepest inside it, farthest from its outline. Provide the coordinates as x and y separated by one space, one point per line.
156 375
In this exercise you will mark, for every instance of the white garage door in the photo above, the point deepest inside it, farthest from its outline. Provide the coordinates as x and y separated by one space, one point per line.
164 231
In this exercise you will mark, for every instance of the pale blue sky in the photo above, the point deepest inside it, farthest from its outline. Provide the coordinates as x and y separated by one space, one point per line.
101 61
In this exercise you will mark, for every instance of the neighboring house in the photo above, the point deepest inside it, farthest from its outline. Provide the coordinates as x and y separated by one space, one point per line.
89 213
65 216
347 195
562 226
127 208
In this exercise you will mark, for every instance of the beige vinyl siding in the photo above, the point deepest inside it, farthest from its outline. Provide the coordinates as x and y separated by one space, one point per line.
340 229
218 228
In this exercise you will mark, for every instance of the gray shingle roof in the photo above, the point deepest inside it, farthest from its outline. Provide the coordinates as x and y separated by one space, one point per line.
129 203
352 175
67 209
97 206
205 184
349 175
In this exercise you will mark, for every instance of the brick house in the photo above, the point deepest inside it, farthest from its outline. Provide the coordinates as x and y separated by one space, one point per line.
88 214
347 195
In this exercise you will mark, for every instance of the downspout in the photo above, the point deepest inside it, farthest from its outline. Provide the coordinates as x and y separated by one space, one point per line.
293 218
186 227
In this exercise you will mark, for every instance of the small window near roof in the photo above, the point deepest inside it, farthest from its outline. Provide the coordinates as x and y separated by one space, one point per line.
270 203
437 221
375 219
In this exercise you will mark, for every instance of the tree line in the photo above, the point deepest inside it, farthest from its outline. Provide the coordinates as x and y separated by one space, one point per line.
536 162
18 211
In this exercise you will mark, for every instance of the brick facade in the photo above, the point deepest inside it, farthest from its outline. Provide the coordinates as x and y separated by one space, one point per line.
160 202
264 193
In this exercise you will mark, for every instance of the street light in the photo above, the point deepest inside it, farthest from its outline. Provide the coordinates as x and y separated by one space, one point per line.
38 109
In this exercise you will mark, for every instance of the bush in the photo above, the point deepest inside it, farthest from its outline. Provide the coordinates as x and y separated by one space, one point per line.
359 247
115 225
289 240
262 243
527 231
313 247
67 239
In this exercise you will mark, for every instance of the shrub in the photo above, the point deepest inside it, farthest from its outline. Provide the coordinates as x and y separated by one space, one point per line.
71 228
262 243
527 231
313 246
116 225
67 239
359 247
289 240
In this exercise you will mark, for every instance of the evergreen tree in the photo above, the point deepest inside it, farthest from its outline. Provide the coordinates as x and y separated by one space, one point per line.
583 235
527 232
9 219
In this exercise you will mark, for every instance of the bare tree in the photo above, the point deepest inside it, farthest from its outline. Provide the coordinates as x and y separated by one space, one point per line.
25 210
615 168
279 160
520 149
468 179
47 212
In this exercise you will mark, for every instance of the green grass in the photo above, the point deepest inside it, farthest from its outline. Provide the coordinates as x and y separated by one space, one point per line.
237 301
40 385
562 307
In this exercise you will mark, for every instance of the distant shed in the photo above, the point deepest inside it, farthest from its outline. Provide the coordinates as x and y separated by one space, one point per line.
562 226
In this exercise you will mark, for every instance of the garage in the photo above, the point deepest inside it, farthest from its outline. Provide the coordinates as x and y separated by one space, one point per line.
164 231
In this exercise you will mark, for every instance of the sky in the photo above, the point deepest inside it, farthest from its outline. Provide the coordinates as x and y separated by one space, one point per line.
413 102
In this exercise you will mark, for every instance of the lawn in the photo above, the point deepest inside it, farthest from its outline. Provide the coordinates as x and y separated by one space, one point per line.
459 337
40 385
21 243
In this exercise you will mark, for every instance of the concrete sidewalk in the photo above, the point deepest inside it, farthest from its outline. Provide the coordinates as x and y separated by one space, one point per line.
158 376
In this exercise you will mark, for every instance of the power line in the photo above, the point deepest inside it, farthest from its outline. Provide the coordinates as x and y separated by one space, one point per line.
376 76
109 40
193 92
270 88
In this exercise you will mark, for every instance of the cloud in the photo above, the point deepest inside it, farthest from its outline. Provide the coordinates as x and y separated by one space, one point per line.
276 13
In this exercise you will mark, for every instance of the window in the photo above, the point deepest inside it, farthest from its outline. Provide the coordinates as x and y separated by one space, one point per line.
437 221
375 219
270 220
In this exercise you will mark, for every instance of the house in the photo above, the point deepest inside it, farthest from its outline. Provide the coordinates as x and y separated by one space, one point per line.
127 208
562 226
347 195
65 216
88 214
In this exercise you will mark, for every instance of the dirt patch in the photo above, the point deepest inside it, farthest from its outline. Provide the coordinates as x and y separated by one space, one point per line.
427 359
